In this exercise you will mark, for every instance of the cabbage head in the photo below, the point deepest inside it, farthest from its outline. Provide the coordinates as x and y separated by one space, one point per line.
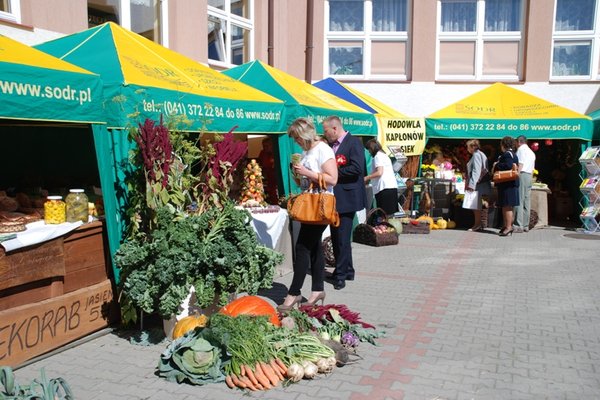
191 358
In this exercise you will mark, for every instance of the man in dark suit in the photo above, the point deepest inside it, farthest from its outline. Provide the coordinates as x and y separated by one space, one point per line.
350 195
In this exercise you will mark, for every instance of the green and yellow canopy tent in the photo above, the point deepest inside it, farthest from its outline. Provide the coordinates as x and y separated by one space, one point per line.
595 116
500 110
142 80
38 87
387 118
48 108
360 99
301 100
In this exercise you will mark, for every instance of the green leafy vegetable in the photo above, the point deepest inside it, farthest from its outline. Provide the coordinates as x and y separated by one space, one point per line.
191 359
216 251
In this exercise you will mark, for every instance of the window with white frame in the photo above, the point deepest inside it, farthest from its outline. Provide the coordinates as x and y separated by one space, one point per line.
230 32
367 39
576 40
144 17
10 10
480 39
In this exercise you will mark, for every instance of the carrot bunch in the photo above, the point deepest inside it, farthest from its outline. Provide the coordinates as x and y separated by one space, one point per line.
261 376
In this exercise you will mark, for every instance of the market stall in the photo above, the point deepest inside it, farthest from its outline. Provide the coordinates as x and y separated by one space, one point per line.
143 79
396 131
55 283
557 134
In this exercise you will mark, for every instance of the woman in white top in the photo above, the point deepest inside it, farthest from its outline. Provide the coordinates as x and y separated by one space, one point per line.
317 158
383 179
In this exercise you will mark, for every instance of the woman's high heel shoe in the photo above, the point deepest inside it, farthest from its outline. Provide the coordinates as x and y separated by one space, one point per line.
320 297
477 228
506 233
286 307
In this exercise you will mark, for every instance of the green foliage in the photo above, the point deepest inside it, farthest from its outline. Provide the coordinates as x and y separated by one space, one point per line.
39 389
216 251
183 229
243 338
191 359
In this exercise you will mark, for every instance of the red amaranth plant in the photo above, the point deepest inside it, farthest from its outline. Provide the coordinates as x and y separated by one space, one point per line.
156 150
227 151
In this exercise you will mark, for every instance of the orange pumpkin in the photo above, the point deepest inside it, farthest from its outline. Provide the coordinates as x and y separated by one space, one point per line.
251 305
186 324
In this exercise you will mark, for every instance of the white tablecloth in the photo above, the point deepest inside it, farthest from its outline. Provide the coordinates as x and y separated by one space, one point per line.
273 231
269 226
39 232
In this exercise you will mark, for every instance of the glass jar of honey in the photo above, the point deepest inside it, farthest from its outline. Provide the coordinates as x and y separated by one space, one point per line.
77 206
55 211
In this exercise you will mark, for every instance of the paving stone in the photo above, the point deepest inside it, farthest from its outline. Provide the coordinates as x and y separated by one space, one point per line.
463 319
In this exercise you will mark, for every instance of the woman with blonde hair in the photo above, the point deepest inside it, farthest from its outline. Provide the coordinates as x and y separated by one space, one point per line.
317 159
477 183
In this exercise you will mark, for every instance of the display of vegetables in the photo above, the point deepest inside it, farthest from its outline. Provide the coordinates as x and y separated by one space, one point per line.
249 352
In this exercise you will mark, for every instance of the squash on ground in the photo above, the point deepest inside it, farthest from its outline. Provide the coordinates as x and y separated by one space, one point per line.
251 305
189 323
426 218
442 223
451 224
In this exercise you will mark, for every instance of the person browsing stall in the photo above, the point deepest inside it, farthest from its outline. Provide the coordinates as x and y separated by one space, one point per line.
508 192
350 195
477 184
317 158
526 158
383 179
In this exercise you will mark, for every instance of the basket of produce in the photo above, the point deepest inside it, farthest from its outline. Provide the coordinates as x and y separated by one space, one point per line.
376 231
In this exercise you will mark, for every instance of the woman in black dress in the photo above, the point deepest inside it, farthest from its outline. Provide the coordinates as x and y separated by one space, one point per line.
508 192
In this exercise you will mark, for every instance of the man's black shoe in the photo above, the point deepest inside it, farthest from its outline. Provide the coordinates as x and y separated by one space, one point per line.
338 285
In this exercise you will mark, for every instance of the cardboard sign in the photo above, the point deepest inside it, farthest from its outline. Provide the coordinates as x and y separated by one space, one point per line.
408 134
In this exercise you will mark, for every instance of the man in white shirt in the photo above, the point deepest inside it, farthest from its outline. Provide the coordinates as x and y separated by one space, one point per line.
526 158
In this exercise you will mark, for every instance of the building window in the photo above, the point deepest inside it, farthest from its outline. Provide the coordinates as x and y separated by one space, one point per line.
230 32
144 17
480 40
10 10
576 38
367 39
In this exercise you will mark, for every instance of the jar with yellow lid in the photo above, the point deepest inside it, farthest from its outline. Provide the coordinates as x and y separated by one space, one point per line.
55 210
77 206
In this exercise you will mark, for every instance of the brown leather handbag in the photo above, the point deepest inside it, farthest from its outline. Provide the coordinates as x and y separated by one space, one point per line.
506 176
314 206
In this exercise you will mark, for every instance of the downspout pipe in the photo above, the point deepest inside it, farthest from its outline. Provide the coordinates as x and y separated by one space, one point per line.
270 33
310 6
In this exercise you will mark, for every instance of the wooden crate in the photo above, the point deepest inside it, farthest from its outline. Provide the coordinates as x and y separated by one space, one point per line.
31 274
85 257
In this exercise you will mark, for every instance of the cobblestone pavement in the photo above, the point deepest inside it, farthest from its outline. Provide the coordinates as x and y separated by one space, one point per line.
468 316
